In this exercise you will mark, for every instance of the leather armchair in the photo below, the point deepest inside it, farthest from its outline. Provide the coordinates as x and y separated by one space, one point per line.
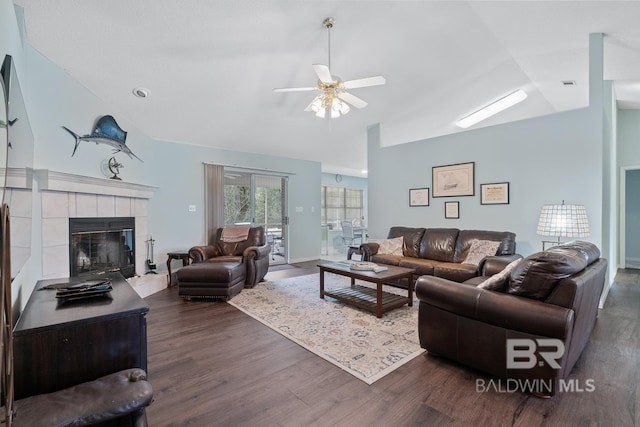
253 252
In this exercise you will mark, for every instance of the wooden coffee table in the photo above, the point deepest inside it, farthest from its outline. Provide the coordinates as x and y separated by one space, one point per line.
374 300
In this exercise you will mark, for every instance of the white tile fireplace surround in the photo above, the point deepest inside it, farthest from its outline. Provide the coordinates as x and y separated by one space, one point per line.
65 196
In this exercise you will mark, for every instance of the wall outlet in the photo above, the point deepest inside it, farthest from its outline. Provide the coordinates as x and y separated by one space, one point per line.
299 209
192 208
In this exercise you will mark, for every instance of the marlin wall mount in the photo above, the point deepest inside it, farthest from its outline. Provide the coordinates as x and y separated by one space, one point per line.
106 131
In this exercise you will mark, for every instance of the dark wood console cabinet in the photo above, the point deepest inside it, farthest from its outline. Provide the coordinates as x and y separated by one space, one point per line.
59 344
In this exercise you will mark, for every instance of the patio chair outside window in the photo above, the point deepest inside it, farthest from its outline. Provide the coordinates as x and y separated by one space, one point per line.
348 235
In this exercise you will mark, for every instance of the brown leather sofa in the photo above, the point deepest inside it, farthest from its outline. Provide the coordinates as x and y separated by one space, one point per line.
550 294
440 252
222 270
118 399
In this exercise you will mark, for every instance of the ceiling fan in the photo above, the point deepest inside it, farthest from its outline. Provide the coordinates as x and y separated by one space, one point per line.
333 99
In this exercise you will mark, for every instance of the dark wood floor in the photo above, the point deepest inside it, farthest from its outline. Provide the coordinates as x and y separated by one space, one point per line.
212 365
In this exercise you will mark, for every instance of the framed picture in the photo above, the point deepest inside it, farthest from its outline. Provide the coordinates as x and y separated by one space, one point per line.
452 210
496 193
453 180
419 197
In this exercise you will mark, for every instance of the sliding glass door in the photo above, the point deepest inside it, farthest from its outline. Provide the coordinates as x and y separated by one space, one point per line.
260 200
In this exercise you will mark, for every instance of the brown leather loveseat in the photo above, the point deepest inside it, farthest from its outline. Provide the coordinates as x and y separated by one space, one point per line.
441 252
551 295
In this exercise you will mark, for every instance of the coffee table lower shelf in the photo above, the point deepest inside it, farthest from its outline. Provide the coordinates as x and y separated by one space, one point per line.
367 298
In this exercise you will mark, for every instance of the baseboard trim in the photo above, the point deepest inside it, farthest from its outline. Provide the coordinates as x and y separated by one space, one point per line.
293 261
632 263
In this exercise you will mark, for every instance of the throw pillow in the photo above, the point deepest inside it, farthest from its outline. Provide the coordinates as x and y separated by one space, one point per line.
480 249
498 281
391 246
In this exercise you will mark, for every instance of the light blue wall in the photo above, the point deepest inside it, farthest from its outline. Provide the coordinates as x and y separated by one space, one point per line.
629 160
629 138
54 99
632 219
12 43
176 170
568 156
545 160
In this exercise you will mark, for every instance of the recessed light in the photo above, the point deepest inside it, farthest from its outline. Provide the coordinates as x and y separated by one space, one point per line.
141 92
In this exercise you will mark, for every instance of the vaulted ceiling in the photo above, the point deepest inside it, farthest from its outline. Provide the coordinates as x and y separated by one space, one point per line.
210 65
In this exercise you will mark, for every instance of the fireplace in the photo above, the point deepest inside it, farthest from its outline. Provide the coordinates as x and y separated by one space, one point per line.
97 245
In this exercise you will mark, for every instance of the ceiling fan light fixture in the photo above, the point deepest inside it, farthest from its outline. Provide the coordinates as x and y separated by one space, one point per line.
495 107
333 97
316 105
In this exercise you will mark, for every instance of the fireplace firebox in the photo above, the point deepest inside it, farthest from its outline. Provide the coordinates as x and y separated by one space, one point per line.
98 245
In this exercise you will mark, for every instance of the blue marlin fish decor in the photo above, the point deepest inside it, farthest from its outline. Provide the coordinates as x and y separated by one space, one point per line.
106 132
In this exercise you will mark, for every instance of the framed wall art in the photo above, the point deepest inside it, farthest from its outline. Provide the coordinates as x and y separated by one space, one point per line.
451 210
419 197
496 193
453 180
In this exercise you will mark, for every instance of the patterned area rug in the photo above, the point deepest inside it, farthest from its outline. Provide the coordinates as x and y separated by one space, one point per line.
352 339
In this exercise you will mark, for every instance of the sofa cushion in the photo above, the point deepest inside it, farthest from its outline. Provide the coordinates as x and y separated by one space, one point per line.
412 238
536 276
422 266
391 246
386 259
479 250
498 281
455 271
439 244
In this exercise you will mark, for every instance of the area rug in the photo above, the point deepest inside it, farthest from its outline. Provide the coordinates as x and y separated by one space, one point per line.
352 339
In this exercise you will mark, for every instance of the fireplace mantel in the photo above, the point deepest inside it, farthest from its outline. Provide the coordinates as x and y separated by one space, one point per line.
60 181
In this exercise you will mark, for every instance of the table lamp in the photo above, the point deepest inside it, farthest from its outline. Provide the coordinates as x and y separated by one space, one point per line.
562 221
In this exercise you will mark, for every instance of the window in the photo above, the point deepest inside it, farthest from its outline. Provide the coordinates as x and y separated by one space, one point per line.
339 203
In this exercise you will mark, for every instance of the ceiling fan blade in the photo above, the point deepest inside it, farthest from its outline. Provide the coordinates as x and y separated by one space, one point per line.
353 100
368 81
294 89
323 73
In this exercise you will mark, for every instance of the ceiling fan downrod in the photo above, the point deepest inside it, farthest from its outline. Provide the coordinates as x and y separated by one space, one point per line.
328 24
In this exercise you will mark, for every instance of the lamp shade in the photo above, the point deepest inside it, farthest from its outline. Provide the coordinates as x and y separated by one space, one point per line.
563 221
